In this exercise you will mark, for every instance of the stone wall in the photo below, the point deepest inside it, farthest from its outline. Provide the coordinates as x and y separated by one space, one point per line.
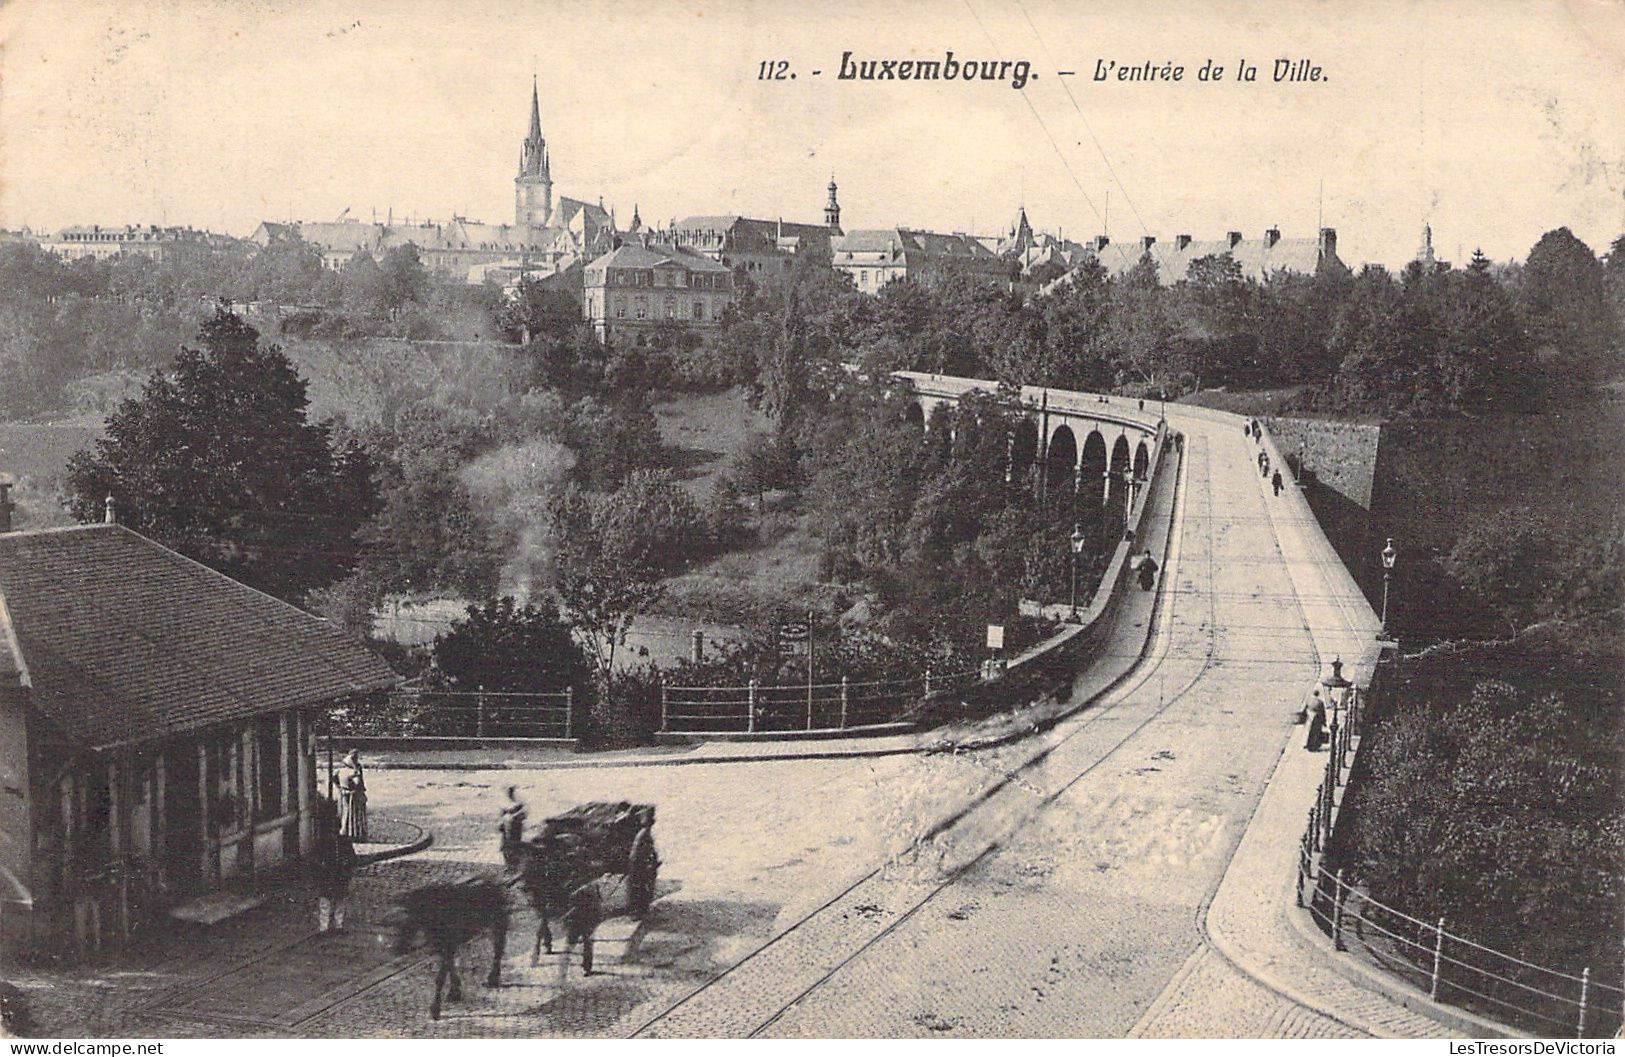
1343 482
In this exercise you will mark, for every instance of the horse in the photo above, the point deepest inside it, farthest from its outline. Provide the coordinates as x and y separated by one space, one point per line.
449 915
557 878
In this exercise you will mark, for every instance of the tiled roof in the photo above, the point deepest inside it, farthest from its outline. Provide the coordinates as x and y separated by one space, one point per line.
1259 258
124 640
351 237
912 243
655 254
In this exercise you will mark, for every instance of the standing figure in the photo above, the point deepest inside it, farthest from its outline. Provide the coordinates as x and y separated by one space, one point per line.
511 826
1275 482
334 865
353 793
1316 736
1148 571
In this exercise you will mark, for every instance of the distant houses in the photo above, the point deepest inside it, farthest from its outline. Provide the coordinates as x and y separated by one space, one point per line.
156 243
874 258
577 246
1258 258
157 733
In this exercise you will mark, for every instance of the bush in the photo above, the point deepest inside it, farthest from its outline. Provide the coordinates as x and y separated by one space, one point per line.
503 646
1500 807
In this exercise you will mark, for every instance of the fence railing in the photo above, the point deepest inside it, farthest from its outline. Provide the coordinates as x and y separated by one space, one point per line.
761 708
460 714
1448 967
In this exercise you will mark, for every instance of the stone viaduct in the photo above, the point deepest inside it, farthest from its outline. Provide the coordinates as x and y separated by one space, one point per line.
1091 451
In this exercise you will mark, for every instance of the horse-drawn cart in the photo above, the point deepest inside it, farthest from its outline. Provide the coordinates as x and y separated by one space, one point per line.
619 838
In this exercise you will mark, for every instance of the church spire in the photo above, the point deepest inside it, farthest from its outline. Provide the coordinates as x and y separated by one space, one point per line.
533 190
535 110
533 159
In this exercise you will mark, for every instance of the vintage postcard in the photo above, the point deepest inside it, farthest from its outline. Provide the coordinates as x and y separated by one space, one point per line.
720 519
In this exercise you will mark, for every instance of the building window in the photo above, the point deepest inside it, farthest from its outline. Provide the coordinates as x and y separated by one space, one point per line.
671 306
643 307
699 308
620 310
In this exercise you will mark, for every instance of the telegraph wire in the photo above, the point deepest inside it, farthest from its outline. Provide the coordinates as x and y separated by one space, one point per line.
1043 43
1042 126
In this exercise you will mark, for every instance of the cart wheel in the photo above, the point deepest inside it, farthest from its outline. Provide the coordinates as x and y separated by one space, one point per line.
643 865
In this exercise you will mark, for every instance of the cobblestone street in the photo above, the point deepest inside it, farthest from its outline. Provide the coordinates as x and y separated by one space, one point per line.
1067 897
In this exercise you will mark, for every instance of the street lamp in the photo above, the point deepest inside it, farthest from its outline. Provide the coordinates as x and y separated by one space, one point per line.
1076 540
1388 556
1337 687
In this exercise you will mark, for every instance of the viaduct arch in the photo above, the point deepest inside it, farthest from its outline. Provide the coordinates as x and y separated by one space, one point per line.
1090 450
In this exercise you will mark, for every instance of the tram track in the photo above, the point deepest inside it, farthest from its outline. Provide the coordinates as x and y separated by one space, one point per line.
1108 705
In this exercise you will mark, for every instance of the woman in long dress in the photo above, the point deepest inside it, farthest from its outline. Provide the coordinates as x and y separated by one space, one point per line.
353 792
1316 736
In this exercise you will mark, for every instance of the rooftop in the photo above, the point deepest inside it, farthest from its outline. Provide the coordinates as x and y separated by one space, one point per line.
123 640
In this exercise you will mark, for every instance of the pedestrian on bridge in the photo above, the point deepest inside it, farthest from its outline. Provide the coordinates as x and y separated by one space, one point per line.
1147 568
1275 482
1316 737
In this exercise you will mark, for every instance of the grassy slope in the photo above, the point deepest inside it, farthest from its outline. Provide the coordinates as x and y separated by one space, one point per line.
1569 462
703 431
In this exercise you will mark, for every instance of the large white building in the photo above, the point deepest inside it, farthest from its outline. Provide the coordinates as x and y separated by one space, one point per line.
1259 258
644 283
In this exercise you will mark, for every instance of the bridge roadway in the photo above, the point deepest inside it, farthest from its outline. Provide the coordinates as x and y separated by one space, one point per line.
1070 900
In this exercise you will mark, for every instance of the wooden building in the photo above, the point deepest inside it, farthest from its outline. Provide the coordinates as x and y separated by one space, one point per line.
157 732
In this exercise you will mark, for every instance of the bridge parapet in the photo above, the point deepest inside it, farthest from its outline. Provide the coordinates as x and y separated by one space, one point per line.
1064 403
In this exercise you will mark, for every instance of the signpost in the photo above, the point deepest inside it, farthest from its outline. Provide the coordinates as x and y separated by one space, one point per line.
796 637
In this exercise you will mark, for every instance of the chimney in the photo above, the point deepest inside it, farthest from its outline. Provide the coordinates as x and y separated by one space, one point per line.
6 506
1101 242
1328 244
1272 236
109 517
1233 237
1146 242
1182 241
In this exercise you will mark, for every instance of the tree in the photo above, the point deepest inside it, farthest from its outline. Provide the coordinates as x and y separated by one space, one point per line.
1563 298
648 523
600 593
216 459
1496 813
404 280
541 312
502 646
287 271
431 533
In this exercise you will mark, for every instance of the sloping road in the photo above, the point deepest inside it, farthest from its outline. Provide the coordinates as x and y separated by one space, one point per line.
1068 902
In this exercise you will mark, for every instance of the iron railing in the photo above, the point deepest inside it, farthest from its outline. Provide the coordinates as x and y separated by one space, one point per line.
844 705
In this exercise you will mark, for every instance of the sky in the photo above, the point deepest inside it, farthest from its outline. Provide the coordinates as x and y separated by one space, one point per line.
1493 121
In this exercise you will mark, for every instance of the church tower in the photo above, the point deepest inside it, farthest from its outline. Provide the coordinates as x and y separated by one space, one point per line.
533 187
832 210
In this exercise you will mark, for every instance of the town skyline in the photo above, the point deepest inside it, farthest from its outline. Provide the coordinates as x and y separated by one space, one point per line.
156 114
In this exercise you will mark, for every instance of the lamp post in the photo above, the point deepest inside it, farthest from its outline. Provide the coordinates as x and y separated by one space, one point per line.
1389 554
1337 687
1076 541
